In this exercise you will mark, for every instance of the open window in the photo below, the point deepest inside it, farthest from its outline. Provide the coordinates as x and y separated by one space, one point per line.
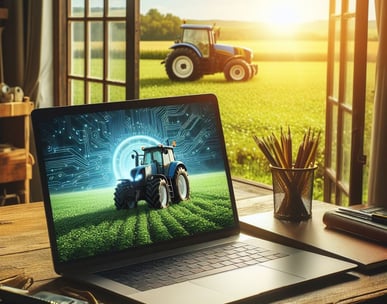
345 103
95 39
92 34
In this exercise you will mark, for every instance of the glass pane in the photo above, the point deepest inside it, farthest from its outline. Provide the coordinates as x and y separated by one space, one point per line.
349 62
95 92
77 92
116 93
117 8
346 146
332 194
334 138
336 65
370 96
352 6
338 7
77 48
77 8
96 50
344 199
117 51
96 8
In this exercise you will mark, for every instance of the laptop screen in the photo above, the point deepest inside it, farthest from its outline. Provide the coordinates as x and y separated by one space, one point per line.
124 175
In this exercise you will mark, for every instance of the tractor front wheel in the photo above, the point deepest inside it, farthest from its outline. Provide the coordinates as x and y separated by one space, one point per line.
237 70
180 185
183 64
123 198
156 193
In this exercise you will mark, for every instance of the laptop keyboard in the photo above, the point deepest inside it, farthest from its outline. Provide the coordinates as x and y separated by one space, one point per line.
193 265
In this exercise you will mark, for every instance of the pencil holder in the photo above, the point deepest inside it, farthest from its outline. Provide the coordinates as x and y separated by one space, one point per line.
292 193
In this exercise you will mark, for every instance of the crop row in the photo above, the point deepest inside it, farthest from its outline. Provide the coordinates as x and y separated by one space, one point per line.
101 232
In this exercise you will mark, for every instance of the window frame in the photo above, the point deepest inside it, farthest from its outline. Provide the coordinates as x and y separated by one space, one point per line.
335 190
61 50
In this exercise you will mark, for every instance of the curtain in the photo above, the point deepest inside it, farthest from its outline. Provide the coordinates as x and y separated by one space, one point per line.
377 181
22 45
22 38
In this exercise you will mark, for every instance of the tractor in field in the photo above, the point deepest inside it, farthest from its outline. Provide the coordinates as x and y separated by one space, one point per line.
158 178
198 54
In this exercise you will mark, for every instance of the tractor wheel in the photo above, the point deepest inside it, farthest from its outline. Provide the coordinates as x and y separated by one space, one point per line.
183 64
180 185
122 197
156 193
237 70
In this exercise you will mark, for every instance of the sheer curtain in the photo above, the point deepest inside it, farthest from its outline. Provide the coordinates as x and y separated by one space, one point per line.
377 182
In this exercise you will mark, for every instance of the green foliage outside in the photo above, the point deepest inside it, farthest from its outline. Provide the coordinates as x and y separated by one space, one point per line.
289 90
288 93
283 94
156 26
88 223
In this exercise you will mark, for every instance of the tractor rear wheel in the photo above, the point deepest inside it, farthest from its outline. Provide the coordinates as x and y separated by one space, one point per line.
180 185
122 196
183 64
237 70
156 193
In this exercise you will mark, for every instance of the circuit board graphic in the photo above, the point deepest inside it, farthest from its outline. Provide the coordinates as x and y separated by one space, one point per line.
94 150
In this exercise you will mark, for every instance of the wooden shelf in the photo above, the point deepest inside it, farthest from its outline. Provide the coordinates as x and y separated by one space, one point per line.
15 160
10 109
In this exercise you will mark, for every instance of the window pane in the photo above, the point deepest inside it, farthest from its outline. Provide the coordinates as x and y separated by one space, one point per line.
77 48
336 64
333 164
352 6
338 7
95 92
77 92
349 62
344 199
96 8
96 50
116 93
117 50
117 8
77 8
346 153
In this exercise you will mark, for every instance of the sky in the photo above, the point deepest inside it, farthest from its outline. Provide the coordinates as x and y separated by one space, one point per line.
271 11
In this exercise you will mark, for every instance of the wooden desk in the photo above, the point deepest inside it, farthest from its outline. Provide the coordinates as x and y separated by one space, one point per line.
24 244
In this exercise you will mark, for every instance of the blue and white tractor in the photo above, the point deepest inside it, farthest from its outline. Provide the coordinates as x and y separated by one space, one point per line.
197 53
158 178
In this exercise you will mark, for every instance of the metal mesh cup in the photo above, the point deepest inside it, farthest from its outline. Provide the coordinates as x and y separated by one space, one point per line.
292 193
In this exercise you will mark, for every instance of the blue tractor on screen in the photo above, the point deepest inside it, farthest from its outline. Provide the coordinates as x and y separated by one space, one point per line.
197 53
158 178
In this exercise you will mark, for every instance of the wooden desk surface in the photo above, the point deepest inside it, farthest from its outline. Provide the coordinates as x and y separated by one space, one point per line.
24 245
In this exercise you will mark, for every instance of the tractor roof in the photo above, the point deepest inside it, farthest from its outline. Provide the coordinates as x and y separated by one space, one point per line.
197 26
158 147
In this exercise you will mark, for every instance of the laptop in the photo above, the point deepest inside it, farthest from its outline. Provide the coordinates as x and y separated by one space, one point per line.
134 188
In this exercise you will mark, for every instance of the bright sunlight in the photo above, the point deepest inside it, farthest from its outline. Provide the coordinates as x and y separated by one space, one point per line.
284 16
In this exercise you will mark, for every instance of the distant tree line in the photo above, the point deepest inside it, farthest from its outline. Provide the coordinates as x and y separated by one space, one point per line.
156 26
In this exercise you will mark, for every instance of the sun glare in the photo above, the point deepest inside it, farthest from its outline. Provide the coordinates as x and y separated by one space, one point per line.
283 15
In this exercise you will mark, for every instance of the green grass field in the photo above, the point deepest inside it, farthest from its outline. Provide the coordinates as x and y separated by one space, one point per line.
284 93
87 222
